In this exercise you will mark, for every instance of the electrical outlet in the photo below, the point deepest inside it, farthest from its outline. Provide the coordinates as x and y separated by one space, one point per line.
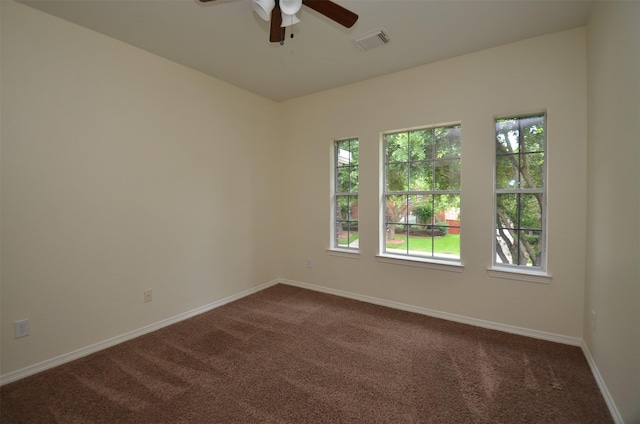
593 321
21 328
148 295
308 262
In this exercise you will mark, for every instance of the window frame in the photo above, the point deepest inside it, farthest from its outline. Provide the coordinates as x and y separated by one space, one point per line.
423 261
522 272
335 247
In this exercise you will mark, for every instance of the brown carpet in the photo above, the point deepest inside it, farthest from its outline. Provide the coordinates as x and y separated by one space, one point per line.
290 355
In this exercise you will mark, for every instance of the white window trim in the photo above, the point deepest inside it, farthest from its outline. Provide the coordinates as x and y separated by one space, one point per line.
415 261
410 260
520 272
344 253
333 249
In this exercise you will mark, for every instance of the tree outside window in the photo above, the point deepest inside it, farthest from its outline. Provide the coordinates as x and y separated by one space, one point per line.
520 192
422 192
346 159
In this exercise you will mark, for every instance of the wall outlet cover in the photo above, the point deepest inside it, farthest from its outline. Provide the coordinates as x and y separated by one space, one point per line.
21 328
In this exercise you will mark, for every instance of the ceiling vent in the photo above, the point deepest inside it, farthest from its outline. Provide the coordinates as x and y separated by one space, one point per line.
373 39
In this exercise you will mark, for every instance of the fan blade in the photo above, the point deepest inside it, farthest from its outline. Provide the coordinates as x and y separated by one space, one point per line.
333 11
276 34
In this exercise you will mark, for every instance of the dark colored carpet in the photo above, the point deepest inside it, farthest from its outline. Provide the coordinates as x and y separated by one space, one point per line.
289 355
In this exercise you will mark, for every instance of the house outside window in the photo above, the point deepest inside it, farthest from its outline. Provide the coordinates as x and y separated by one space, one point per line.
421 204
345 234
520 193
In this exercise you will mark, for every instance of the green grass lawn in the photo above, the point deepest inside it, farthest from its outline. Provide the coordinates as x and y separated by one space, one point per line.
342 241
449 244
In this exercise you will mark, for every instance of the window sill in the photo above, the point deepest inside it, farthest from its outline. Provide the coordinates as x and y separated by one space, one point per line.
520 275
421 263
344 253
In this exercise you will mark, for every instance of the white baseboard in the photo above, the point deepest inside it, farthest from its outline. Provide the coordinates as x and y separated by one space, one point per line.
79 353
615 414
542 335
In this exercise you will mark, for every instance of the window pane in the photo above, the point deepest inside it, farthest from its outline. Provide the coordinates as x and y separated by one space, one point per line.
419 240
421 176
396 239
347 207
522 247
397 147
346 166
421 209
447 174
421 145
507 211
531 248
355 153
342 207
506 246
507 175
532 170
507 133
353 208
348 235
446 206
397 177
396 209
347 221
342 233
447 244
447 142
343 179
343 155
530 212
353 178
532 134
347 152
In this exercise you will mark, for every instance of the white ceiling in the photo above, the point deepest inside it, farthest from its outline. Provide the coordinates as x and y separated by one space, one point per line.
229 41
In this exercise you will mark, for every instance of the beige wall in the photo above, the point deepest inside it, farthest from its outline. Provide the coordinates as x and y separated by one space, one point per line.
122 171
542 73
613 253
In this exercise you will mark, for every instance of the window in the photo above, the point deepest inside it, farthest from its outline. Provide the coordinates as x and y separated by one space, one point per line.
345 199
520 192
422 193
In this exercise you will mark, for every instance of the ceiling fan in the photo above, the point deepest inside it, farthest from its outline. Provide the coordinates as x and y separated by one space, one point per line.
282 14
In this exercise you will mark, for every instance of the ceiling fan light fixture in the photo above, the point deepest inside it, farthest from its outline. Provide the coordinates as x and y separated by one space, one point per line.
289 20
290 7
263 8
